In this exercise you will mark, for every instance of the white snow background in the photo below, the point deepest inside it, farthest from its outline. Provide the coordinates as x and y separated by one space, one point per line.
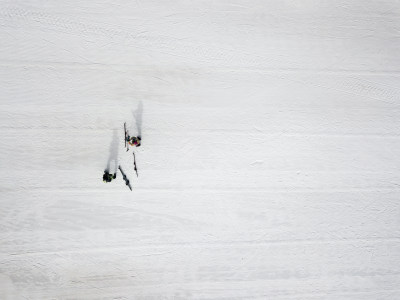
270 164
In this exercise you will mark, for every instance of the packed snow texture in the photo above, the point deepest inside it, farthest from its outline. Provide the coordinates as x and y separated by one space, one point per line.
270 157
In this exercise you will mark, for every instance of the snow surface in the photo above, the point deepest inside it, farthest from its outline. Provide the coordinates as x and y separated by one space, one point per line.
270 163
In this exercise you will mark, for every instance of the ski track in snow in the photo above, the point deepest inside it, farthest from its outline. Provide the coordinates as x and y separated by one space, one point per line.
269 167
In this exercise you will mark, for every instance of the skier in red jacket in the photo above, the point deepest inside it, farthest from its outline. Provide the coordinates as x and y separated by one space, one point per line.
134 141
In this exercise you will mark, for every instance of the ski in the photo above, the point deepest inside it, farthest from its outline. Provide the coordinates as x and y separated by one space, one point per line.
134 163
125 133
126 138
125 178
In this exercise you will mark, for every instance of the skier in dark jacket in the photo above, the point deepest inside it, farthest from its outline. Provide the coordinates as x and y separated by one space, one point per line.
134 141
107 177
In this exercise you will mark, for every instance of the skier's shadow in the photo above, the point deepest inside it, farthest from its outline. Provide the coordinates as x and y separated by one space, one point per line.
138 118
114 149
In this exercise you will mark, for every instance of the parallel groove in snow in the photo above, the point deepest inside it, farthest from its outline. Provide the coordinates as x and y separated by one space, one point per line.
270 160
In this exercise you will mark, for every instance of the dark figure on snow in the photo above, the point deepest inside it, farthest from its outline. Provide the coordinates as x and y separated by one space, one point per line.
107 177
134 141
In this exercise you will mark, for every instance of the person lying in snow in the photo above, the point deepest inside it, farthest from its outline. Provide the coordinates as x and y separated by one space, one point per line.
107 177
134 141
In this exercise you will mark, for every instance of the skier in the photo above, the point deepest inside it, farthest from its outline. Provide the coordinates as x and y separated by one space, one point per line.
134 141
107 177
